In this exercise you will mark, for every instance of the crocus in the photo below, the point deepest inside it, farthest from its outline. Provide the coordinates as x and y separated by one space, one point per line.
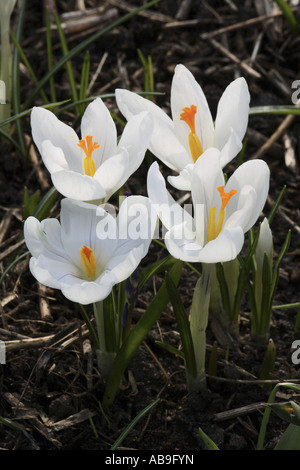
223 212
264 244
95 166
181 140
77 257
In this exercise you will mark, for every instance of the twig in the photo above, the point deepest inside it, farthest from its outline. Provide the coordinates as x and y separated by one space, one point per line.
27 343
4 225
243 410
151 15
156 360
11 249
234 58
97 73
276 135
242 24
36 163
44 304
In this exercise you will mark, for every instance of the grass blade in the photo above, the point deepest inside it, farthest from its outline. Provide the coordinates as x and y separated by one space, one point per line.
132 424
82 46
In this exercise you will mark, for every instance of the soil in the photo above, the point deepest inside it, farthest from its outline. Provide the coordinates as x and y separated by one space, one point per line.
51 390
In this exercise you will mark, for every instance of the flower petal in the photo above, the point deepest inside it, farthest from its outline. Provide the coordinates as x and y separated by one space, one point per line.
254 174
97 122
225 247
135 139
163 143
185 91
168 210
232 111
111 175
53 157
46 126
77 186
184 180
230 150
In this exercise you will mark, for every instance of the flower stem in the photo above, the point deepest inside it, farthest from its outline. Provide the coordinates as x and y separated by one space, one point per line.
198 324
105 356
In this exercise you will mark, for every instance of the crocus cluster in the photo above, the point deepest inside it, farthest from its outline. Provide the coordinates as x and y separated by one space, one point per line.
71 255
89 250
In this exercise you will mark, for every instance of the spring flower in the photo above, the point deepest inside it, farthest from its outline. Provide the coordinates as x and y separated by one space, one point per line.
179 141
75 256
223 212
264 244
94 167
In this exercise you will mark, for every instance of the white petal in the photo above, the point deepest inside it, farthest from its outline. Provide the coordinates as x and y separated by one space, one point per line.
76 186
233 111
225 247
256 174
135 139
184 180
207 176
85 292
46 126
231 148
43 237
181 244
53 157
112 174
136 219
164 144
169 211
185 91
42 275
97 122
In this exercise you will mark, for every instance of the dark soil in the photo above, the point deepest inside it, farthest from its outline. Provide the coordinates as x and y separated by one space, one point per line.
50 393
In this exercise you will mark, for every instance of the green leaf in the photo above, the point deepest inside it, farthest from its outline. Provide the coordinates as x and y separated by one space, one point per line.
132 424
170 349
136 336
290 439
207 441
289 411
268 363
155 268
183 326
276 205
46 204
289 15
288 109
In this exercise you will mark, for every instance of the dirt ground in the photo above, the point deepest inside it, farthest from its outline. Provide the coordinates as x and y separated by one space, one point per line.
51 390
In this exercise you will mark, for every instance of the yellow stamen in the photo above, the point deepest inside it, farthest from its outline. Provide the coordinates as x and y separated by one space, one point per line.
188 116
214 228
88 147
88 261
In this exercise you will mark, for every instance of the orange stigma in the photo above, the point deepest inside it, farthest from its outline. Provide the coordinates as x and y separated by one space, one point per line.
188 116
214 228
88 147
88 261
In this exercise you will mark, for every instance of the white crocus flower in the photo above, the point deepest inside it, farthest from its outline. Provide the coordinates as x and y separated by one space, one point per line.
77 257
264 244
223 212
179 141
94 167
